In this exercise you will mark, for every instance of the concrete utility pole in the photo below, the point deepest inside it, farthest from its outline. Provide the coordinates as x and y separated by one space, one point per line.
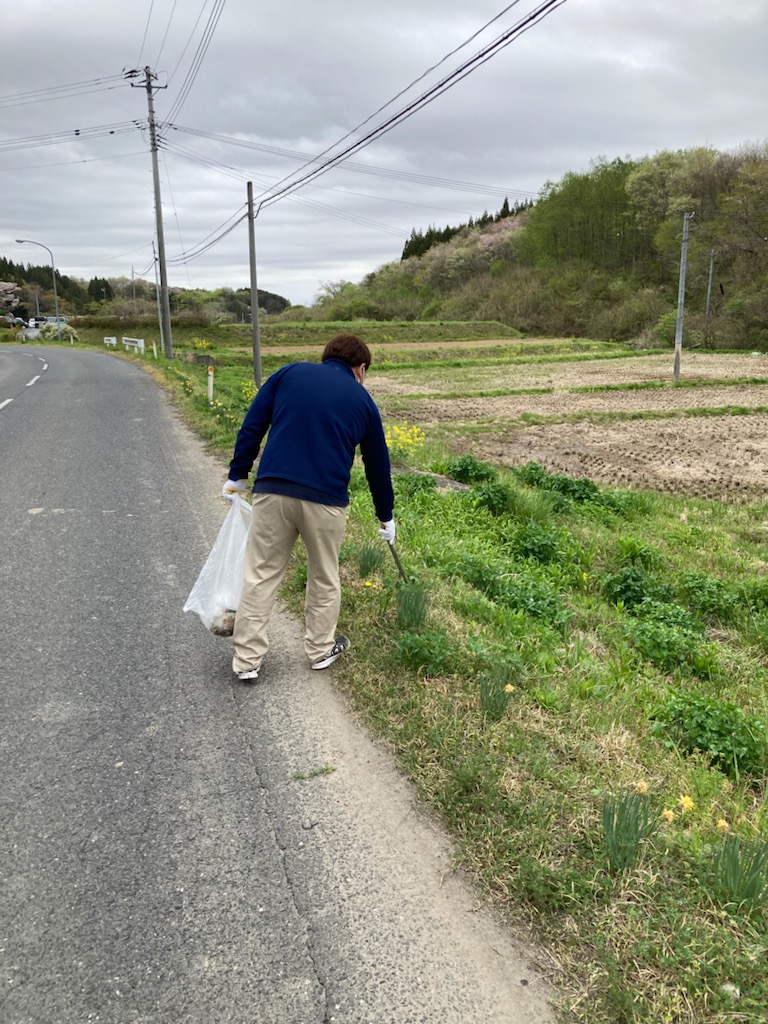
681 295
254 290
164 302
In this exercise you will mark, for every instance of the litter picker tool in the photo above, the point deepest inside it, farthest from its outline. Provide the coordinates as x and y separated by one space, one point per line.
398 563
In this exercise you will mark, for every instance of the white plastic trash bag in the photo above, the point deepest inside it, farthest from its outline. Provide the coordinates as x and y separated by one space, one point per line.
216 593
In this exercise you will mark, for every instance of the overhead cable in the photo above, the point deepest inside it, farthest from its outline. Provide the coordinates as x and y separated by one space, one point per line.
165 35
416 81
146 30
56 92
465 69
197 60
72 135
239 174
370 169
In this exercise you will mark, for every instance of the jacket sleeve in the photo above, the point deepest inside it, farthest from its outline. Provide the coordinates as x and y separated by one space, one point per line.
375 453
252 432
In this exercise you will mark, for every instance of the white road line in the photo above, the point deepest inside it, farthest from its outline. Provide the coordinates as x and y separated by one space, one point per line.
6 402
45 366
31 382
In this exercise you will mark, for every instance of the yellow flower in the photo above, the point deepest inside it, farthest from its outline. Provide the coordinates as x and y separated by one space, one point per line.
685 804
641 787
668 815
723 826
509 688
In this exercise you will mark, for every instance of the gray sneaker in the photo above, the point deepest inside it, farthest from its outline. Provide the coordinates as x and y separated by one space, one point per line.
341 645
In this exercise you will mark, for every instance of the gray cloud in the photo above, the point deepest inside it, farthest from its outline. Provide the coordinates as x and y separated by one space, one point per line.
593 79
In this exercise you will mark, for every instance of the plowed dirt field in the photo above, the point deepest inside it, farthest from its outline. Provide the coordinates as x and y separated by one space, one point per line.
707 437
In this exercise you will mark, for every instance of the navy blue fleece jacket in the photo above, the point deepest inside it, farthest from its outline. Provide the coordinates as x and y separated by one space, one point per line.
317 414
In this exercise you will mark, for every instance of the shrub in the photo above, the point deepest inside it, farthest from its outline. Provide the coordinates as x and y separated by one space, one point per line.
632 551
469 470
736 742
431 653
671 647
631 585
494 497
710 596
673 615
536 541
408 484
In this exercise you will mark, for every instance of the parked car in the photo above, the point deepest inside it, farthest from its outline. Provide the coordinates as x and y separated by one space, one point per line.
13 321
37 321
55 320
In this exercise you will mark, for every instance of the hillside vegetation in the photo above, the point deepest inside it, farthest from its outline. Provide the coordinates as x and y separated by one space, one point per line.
597 256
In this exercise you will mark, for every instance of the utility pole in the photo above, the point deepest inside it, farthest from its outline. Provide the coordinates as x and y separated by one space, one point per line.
681 296
709 295
157 297
164 302
254 290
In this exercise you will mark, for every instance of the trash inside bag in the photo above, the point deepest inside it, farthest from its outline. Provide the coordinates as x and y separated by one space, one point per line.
216 593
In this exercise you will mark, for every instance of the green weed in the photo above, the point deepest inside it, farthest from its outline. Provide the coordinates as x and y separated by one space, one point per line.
370 557
431 652
735 742
736 875
627 821
496 691
412 602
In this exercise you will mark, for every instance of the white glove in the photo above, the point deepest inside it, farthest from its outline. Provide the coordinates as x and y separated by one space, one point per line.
233 488
387 531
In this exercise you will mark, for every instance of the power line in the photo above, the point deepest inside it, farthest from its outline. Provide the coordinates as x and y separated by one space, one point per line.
146 30
427 97
413 83
69 163
167 30
239 174
72 135
370 169
197 60
56 92
189 40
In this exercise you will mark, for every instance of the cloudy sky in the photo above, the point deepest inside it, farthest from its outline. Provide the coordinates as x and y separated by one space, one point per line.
250 90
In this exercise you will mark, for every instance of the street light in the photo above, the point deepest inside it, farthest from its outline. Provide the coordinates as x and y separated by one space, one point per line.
28 241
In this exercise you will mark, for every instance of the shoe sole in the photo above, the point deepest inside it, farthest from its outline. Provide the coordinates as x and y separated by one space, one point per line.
247 677
329 660
325 663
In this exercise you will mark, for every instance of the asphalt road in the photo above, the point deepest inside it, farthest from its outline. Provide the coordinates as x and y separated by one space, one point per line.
169 853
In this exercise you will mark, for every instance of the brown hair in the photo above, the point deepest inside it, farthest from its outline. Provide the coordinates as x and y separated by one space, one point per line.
349 349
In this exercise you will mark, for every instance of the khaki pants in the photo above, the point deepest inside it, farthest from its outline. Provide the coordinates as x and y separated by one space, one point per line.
276 524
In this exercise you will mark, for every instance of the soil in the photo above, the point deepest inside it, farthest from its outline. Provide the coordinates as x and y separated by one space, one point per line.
679 448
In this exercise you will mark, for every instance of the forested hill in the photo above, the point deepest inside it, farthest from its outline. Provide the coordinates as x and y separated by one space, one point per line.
598 255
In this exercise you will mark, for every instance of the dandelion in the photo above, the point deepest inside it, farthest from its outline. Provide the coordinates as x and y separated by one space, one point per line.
668 816
509 688
641 787
685 804
723 826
